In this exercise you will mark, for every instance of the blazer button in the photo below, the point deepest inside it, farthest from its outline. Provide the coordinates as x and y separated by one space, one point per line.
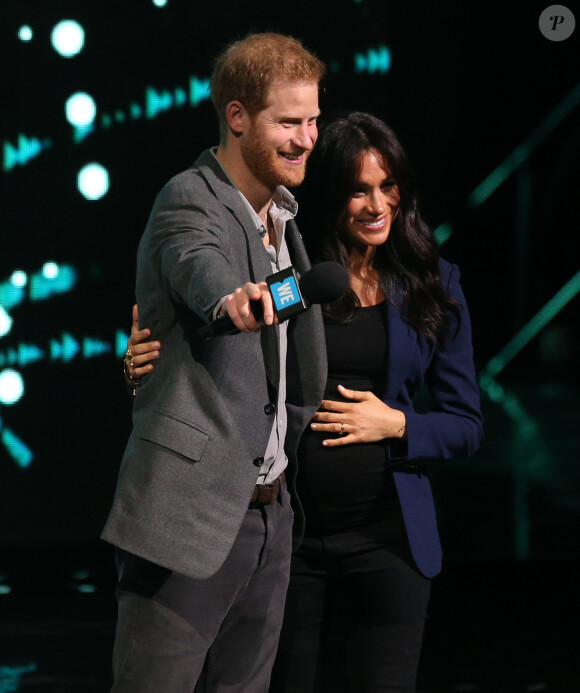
258 462
270 408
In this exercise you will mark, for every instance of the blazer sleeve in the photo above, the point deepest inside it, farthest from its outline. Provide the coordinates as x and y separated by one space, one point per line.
453 426
190 242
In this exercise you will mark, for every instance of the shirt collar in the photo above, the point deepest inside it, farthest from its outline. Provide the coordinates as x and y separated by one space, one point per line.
283 207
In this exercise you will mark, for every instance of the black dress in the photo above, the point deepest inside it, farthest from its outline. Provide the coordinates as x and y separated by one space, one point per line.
342 488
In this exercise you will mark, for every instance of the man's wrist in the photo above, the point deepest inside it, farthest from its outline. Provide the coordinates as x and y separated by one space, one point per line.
220 308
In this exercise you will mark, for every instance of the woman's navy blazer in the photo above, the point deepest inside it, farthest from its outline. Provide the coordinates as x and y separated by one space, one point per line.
451 428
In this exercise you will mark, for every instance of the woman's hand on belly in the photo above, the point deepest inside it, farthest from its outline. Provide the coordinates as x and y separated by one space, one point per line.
363 419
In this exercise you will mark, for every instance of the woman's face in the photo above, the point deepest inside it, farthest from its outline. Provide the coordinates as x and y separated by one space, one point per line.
374 204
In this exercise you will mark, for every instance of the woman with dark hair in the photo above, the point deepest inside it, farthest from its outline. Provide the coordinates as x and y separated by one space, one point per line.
360 579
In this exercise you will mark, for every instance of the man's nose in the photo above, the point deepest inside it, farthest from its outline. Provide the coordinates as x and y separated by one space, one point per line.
305 136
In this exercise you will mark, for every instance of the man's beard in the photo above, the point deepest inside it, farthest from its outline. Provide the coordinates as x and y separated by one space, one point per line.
267 165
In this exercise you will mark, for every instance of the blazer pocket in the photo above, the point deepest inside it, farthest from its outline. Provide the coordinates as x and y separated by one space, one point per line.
174 434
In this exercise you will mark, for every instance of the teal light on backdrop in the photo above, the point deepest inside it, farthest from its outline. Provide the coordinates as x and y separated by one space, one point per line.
25 149
10 676
51 280
374 61
68 38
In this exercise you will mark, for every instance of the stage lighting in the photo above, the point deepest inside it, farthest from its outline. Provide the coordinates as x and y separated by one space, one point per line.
68 38
19 278
80 110
25 33
11 386
5 322
93 181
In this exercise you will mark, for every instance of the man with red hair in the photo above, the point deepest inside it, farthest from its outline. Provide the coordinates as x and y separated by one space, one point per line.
201 517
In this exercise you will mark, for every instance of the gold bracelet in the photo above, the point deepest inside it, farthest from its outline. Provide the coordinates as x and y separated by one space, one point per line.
131 380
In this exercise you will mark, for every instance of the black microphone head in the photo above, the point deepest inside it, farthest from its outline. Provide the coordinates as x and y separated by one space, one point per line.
324 283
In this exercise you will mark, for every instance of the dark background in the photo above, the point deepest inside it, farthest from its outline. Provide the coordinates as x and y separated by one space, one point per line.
468 84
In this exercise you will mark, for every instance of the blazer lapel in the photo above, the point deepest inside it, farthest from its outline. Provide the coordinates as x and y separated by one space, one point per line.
229 196
296 247
259 261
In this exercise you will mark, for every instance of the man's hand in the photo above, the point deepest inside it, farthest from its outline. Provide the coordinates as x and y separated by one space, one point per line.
237 306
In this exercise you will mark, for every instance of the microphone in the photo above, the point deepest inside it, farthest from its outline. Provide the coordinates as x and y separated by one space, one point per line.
323 283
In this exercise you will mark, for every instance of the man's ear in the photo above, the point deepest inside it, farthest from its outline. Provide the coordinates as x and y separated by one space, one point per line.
237 118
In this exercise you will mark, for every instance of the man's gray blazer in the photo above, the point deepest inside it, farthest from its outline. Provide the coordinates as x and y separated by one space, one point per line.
200 421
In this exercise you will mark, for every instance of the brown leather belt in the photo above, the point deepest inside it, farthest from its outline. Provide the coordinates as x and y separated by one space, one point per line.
266 493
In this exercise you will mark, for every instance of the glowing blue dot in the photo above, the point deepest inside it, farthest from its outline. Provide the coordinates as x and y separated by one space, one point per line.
11 386
93 181
68 38
5 322
86 589
19 278
25 33
160 3
50 270
80 109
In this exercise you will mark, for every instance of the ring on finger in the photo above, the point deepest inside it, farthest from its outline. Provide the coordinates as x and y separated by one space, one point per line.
129 353
131 364
342 431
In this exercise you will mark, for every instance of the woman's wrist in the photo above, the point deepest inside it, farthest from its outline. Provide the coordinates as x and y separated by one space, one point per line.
132 381
402 430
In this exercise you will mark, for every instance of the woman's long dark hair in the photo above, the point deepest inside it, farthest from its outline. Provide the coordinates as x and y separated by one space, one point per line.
408 263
